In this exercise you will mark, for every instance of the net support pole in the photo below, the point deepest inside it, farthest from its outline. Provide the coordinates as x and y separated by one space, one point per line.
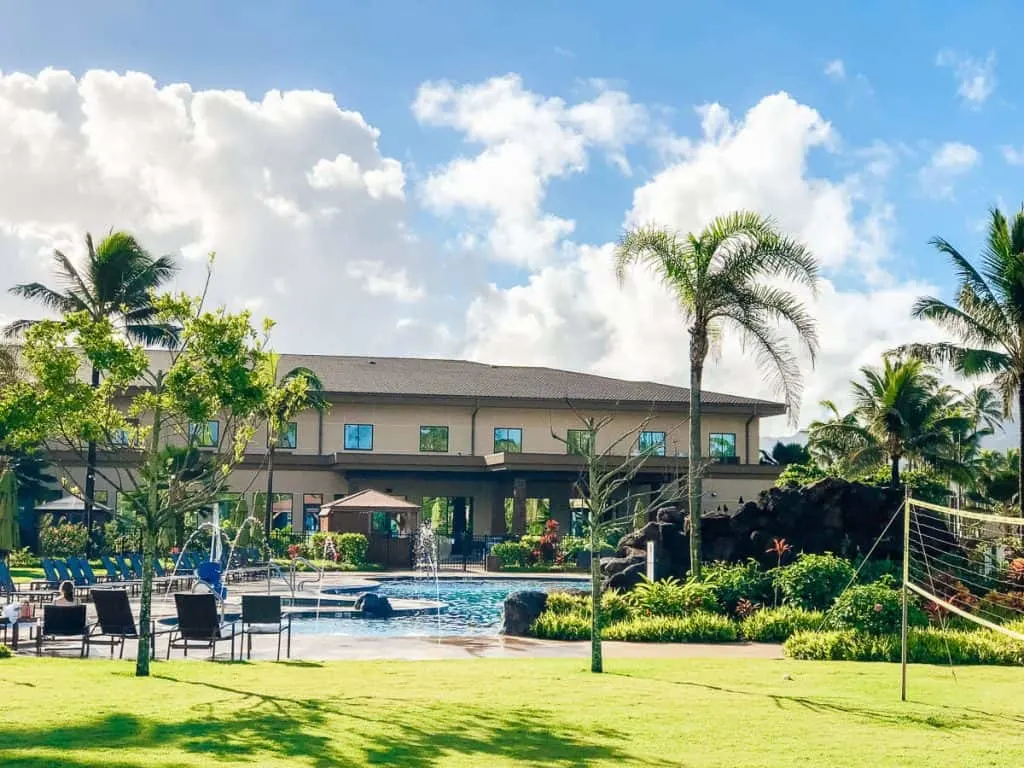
906 594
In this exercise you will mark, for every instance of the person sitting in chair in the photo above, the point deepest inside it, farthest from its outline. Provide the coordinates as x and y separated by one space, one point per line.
67 594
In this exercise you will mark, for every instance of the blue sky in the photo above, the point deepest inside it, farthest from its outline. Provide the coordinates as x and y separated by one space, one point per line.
374 55
925 82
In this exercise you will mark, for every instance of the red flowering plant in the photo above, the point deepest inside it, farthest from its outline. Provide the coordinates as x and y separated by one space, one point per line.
548 547
294 550
1016 568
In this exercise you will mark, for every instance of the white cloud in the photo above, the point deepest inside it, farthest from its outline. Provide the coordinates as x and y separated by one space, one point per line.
975 78
1013 155
947 164
835 69
311 222
577 315
378 282
526 141
289 190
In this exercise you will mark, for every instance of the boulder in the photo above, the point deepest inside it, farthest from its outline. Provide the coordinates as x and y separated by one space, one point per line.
627 578
373 606
521 610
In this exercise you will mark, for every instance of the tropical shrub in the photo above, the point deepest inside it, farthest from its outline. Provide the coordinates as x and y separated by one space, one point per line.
1001 607
62 540
734 582
352 548
349 548
562 626
813 582
873 608
22 558
513 554
885 570
775 625
671 597
562 603
614 606
698 627
924 646
5 652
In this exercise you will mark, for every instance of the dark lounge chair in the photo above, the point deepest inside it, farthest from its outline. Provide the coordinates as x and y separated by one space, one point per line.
199 625
261 615
62 622
115 622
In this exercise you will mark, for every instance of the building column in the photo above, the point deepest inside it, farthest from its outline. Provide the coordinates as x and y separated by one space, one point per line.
492 511
518 506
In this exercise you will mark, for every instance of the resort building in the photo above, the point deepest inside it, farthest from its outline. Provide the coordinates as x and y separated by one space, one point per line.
483 448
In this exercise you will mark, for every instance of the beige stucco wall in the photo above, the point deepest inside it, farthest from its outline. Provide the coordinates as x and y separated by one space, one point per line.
396 428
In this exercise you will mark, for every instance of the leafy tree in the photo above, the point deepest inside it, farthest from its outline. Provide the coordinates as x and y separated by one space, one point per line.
297 390
604 487
115 283
216 370
721 277
900 413
986 318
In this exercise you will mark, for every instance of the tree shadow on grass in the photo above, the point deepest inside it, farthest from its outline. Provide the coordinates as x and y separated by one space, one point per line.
245 725
957 717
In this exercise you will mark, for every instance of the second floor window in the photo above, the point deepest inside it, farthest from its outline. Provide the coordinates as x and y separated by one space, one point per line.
652 443
288 439
508 440
205 434
128 437
723 445
579 442
359 437
434 439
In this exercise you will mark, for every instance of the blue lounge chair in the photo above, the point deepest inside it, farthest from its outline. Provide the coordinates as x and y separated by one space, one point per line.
63 573
125 566
52 577
77 574
113 572
32 594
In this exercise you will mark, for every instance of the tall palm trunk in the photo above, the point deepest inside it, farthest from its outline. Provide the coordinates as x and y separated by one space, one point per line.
1020 458
268 510
90 475
894 473
698 352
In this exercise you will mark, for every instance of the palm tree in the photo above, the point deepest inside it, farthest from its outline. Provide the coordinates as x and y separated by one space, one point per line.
901 413
831 442
297 390
986 319
720 277
981 405
115 284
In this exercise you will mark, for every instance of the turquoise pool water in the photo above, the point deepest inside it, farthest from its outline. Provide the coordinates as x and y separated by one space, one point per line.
473 608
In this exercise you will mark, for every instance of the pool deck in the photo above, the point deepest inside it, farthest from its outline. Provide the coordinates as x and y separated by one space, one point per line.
324 647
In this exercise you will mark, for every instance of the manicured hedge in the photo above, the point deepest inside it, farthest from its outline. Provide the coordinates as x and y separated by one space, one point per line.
775 625
925 646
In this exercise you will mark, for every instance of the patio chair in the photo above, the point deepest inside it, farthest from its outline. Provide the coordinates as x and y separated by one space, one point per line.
32 594
115 622
63 572
113 572
77 574
62 622
261 615
199 626
53 578
124 566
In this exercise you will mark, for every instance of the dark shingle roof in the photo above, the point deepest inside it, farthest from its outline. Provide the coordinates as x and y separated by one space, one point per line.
428 377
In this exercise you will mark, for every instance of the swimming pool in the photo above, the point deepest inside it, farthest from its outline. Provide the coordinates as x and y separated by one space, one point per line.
473 608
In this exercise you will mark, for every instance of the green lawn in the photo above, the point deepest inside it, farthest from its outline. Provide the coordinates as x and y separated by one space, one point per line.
58 712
